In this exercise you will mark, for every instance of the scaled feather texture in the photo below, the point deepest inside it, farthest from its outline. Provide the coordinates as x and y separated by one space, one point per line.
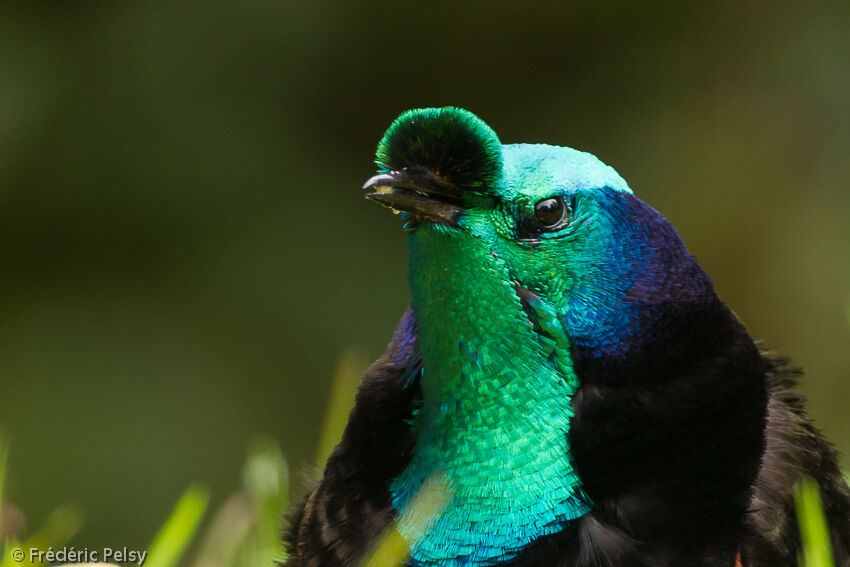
568 373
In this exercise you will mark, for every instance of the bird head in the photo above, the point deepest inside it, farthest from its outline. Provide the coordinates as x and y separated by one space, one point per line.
557 224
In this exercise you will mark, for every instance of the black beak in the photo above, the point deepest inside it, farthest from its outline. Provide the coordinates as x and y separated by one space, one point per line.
421 194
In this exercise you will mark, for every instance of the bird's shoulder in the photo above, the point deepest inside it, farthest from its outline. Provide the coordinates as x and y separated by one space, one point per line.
794 448
345 512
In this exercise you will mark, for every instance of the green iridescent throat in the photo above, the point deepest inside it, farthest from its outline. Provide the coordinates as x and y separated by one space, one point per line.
496 411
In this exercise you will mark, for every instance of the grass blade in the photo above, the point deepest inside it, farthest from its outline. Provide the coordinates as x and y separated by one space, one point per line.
267 483
170 543
349 369
813 527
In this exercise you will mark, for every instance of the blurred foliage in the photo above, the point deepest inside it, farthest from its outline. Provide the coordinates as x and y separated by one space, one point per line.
185 249
172 539
59 527
350 368
814 531
244 532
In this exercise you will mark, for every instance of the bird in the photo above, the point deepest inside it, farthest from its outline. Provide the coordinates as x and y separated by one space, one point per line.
568 373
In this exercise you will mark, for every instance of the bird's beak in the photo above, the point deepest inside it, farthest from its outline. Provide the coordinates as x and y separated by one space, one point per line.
422 194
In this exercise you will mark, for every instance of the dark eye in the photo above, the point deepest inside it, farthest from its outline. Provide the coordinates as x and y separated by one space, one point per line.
552 213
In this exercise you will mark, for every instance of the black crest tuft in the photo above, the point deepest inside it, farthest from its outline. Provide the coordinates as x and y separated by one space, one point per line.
451 143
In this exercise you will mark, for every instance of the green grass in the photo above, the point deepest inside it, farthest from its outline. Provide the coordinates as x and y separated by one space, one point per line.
813 527
245 530
170 543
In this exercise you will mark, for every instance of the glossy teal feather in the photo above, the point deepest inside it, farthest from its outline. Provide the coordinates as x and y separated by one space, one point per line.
496 391
496 408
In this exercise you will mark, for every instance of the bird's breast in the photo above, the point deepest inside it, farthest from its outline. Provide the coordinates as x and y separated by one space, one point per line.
496 412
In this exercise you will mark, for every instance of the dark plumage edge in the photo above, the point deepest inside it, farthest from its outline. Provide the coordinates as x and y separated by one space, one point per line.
339 520
795 448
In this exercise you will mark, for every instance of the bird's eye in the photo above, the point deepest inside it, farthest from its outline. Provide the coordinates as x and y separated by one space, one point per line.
552 213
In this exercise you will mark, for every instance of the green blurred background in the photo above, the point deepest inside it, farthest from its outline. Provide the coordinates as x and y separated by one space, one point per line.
185 252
